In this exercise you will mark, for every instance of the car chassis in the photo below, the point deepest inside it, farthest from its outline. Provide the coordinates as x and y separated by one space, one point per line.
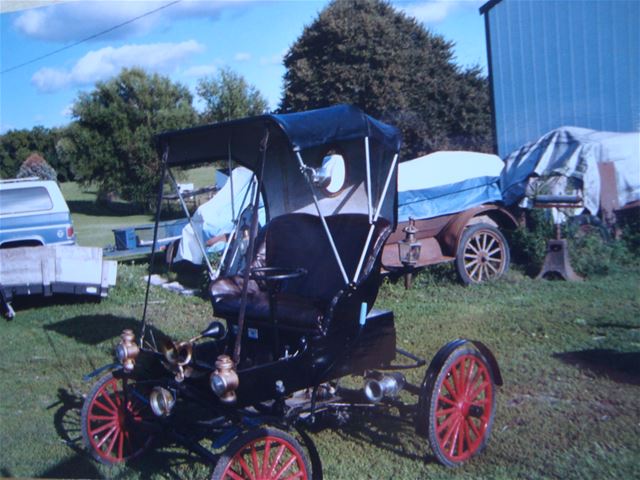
297 298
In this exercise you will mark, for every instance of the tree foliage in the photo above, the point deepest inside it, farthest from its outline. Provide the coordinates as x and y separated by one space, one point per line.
228 96
36 166
17 145
366 53
111 143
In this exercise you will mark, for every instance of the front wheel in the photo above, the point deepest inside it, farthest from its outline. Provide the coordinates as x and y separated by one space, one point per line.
482 255
113 416
265 454
461 407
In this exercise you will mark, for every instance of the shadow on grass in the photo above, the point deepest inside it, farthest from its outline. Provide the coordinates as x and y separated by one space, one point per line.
67 422
621 367
388 432
95 329
28 302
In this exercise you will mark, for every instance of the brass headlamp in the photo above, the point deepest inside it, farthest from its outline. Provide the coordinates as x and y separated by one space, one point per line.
127 350
224 380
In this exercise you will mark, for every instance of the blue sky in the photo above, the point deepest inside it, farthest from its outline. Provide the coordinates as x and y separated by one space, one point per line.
185 41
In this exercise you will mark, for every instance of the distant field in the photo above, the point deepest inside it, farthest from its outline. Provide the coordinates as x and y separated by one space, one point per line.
569 354
94 224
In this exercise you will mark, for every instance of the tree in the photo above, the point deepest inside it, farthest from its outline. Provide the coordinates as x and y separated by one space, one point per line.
36 166
228 96
112 142
17 145
366 53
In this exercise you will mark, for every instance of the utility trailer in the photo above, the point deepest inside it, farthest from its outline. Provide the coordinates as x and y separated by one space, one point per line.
50 270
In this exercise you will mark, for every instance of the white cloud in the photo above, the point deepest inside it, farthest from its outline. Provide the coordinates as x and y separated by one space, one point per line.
71 21
200 70
242 57
107 62
5 127
435 11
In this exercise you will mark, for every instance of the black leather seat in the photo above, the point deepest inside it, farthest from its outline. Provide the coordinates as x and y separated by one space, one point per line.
309 303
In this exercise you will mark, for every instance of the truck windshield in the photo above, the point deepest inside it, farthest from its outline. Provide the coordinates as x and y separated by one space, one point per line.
24 200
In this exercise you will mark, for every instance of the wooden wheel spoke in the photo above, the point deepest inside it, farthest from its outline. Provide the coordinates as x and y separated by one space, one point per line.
490 243
447 423
494 251
285 467
245 468
478 390
453 436
234 475
446 400
112 410
474 427
489 266
102 428
276 460
265 457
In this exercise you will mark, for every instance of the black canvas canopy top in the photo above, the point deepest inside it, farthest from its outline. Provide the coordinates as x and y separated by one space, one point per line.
301 131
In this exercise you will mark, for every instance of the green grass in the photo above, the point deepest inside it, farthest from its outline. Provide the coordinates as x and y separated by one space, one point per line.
569 354
94 223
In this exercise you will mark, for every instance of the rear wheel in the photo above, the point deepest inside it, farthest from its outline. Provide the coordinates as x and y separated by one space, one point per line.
264 454
483 254
461 407
113 416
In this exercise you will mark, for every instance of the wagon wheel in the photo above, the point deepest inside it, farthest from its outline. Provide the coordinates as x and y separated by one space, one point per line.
483 254
461 407
263 454
112 420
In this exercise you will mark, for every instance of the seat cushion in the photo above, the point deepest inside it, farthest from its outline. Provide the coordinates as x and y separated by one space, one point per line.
292 311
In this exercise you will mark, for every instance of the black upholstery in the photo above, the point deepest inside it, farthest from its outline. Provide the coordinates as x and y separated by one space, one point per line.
299 241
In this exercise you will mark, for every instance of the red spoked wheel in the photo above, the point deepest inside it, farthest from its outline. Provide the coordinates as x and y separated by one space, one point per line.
113 416
461 407
263 454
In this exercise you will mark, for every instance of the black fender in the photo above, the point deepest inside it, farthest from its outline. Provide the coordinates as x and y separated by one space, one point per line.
101 370
434 369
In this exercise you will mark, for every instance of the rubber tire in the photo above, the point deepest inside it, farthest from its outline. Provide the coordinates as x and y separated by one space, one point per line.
84 425
470 232
433 399
244 439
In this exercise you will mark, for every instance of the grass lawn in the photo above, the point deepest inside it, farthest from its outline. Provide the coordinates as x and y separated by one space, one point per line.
94 224
569 354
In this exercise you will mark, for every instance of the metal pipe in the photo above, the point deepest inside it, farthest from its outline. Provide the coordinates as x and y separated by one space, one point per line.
188 215
165 158
368 168
234 232
303 169
375 218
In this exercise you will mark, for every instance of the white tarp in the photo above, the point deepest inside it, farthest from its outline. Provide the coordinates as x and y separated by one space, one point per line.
215 217
445 168
565 162
443 183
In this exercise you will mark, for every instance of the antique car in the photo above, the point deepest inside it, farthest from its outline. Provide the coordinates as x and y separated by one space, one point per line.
295 300
450 209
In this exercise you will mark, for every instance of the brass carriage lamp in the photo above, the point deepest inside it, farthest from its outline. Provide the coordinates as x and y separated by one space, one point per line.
127 350
408 248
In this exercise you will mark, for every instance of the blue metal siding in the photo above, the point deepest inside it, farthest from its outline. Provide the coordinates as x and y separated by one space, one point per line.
563 62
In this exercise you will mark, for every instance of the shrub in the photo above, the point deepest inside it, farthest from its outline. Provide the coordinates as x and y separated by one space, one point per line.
36 166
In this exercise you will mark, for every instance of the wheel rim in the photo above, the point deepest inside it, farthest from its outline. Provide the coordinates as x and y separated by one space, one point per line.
114 423
484 257
463 409
266 458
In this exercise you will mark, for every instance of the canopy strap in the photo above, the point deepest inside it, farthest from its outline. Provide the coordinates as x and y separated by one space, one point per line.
250 249
306 172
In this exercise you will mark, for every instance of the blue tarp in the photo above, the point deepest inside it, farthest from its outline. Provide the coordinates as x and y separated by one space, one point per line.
447 199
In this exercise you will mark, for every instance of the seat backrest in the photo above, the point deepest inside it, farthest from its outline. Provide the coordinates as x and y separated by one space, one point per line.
299 240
